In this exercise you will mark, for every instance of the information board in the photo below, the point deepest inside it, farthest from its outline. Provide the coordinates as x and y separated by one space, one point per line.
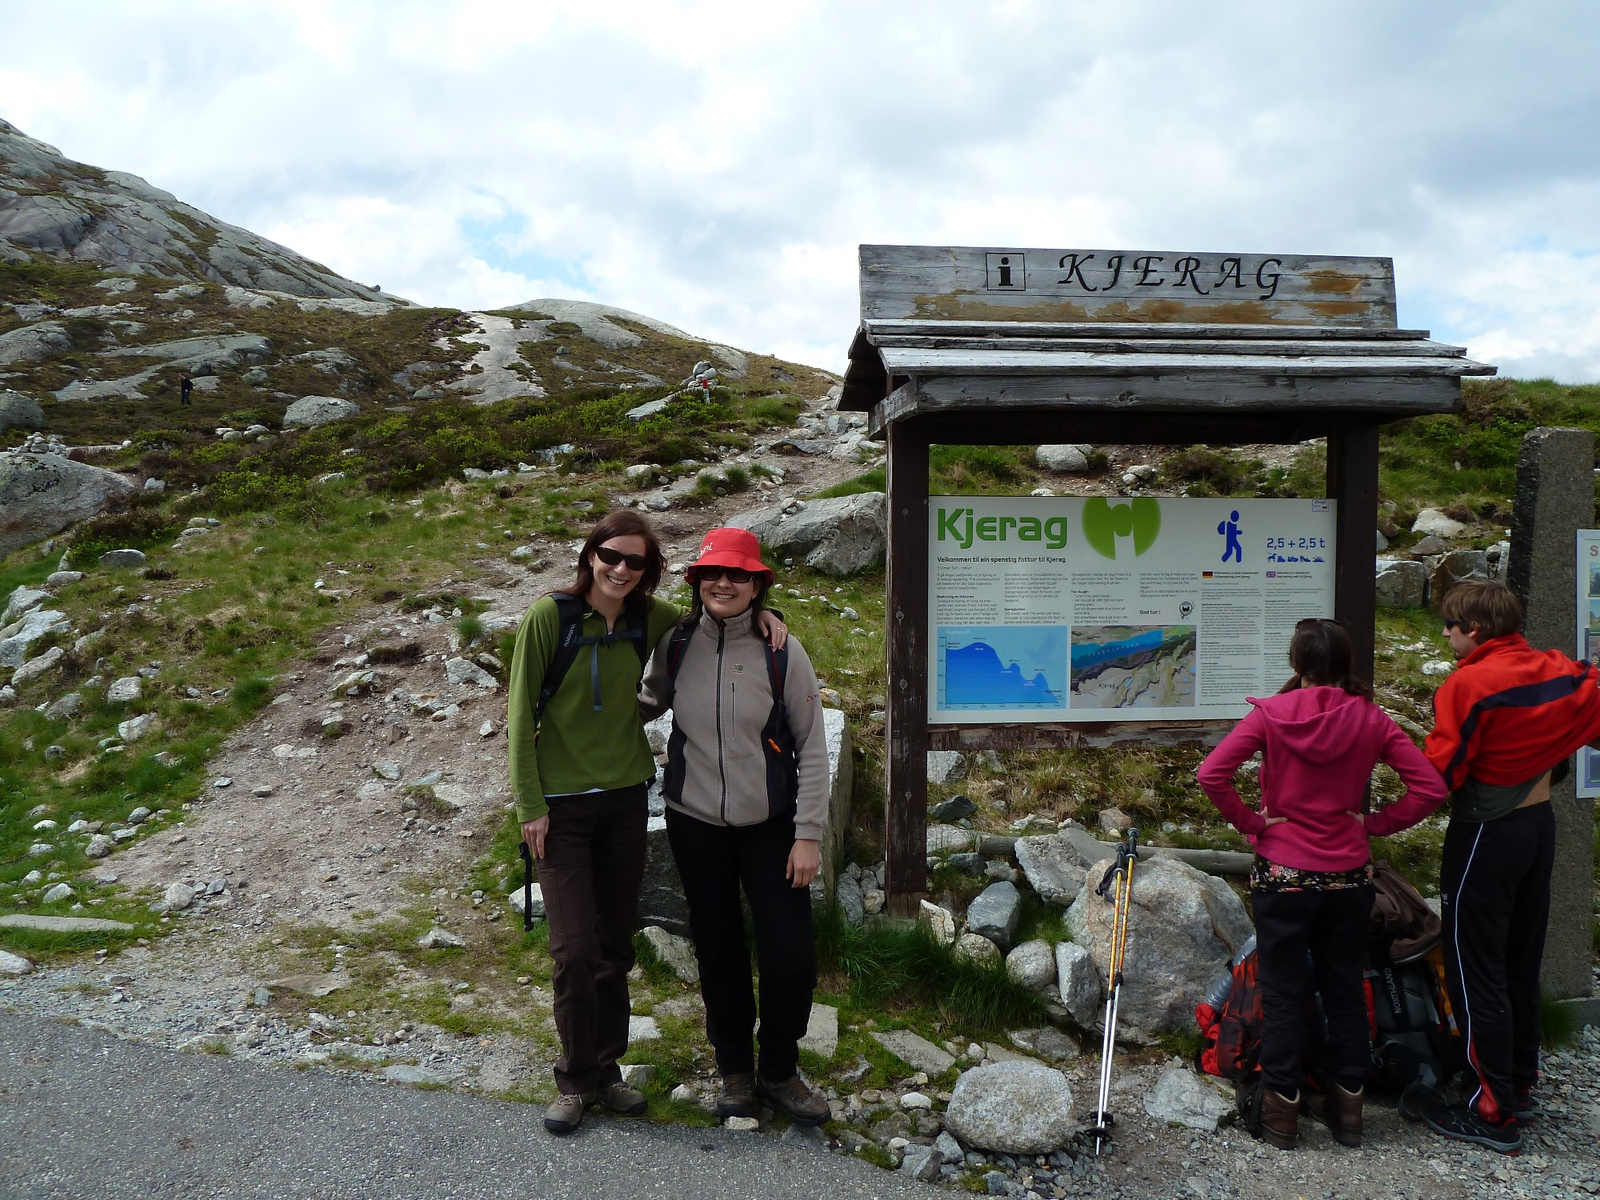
1588 573
1062 609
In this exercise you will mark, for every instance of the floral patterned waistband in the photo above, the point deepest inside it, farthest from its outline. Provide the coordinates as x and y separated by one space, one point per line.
1266 876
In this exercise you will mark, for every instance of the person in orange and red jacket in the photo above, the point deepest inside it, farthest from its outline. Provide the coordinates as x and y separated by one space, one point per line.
1503 721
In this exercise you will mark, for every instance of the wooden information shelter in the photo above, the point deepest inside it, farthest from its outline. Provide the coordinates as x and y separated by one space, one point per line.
987 346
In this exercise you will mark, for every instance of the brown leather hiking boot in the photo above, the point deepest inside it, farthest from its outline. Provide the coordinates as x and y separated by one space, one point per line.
1280 1118
738 1095
1340 1111
566 1112
795 1099
620 1098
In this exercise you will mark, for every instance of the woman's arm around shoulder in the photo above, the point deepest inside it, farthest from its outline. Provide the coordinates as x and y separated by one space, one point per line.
655 692
535 645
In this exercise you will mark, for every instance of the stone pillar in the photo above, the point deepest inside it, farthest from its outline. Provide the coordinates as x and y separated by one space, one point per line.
1555 499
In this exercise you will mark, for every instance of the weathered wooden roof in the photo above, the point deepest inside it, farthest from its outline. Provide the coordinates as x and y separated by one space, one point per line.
902 368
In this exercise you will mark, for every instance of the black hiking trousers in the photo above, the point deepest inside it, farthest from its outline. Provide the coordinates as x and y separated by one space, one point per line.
1494 881
1330 924
715 861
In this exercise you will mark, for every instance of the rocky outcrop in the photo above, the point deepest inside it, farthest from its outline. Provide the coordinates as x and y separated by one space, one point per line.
309 411
1182 931
42 494
33 342
52 205
837 535
20 412
597 321
1067 458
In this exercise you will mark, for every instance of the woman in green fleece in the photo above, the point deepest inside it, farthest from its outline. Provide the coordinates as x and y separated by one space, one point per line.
580 771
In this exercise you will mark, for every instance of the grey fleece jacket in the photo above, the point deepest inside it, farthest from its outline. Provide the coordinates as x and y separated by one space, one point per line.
723 698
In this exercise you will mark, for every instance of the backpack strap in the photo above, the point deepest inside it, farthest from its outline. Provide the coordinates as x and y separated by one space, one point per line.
569 614
777 675
570 611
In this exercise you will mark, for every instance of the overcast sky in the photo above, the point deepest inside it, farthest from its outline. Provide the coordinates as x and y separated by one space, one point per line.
715 165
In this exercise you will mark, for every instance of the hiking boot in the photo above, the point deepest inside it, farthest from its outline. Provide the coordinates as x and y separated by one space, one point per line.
1525 1109
795 1099
620 1098
1461 1124
1340 1111
1280 1118
738 1095
566 1112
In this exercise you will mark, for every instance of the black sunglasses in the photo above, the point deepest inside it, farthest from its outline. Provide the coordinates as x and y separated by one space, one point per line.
635 562
731 574
1449 625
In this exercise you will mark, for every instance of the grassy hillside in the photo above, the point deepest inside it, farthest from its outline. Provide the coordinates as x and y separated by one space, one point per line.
226 612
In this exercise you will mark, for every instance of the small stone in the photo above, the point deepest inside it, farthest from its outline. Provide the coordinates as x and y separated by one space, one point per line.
60 891
996 912
742 1124
677 953
1033 965
684 1094
99 846
643 1029
122 559
940 920
125 690
638 1075
222 781
977 948
139 815
436 939
14 964
1114 820
178 897
408 1073
387 770
915 1100
487 729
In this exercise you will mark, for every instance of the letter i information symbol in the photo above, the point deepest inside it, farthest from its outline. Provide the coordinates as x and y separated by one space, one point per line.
1006 272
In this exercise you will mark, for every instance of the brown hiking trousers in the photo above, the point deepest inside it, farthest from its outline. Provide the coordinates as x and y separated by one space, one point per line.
590 874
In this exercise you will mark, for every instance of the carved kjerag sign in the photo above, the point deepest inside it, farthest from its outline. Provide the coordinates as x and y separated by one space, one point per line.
974 283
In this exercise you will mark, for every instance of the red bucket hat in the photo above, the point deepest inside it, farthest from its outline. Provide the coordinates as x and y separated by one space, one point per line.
730 547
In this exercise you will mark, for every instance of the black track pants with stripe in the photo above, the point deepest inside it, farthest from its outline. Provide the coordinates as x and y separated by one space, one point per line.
1495 885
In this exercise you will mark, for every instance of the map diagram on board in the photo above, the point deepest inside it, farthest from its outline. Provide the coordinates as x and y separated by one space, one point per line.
1001 667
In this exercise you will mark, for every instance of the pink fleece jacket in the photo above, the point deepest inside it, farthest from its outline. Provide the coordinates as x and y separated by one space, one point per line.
1318 747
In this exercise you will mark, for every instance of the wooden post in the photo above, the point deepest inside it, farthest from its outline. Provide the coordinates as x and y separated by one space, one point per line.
1353 482
906 729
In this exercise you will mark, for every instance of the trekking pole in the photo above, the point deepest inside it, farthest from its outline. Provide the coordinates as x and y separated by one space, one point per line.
1118 882
527 887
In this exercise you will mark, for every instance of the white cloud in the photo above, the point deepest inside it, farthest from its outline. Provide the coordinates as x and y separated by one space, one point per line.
715 165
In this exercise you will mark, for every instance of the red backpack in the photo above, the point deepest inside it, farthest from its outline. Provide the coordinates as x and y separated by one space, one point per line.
1231 1034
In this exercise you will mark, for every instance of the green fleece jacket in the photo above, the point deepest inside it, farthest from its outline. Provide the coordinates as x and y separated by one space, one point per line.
578 748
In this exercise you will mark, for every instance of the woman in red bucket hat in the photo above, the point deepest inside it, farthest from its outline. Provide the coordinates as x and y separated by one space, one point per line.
747 800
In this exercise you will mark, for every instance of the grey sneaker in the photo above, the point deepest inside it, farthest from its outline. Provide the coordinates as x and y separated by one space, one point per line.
738 1095
566 1112
795 1099
620 1098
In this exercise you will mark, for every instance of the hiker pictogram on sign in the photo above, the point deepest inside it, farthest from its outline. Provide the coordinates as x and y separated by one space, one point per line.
1007 272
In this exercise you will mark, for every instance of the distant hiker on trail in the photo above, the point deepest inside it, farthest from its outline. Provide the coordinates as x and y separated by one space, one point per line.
1505 719
580 771
185 388
1311 885
747 803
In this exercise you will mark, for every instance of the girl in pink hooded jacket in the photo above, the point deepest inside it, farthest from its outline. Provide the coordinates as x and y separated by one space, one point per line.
1311 885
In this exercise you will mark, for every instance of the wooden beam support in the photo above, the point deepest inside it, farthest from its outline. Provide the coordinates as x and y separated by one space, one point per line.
906 728
1353 482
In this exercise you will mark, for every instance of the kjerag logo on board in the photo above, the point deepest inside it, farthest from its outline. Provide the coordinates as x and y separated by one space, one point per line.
963 526
1104 523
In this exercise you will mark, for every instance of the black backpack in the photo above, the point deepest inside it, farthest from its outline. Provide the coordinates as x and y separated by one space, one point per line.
777 739
571 610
